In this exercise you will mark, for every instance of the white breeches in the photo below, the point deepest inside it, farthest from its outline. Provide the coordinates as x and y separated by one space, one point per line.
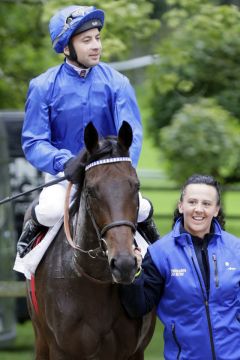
51 202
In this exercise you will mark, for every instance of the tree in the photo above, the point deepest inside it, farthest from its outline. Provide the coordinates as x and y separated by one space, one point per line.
198 58
202 138
22 37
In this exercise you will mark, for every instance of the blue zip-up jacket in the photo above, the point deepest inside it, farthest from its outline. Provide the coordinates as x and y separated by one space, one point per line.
198 325
59 106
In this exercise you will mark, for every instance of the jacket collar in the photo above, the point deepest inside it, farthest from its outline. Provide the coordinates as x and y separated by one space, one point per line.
81 72
183 238
75 71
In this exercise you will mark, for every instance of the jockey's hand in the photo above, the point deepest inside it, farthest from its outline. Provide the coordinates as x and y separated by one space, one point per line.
73 169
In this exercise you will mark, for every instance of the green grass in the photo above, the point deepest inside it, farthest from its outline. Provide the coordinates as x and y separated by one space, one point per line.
155 349
149 158
23 349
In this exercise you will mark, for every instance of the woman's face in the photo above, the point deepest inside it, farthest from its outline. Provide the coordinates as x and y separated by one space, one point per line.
198 206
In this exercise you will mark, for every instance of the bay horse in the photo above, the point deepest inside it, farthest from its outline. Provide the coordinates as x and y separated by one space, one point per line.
80 316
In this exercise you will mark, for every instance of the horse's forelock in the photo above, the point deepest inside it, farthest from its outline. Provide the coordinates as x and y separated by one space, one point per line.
108 147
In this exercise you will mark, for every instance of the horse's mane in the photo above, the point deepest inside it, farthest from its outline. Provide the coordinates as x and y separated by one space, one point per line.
108 147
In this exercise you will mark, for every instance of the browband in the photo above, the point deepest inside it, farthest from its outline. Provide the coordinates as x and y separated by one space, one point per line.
107 161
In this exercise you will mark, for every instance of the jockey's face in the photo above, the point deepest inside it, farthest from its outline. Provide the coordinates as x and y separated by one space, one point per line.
88 47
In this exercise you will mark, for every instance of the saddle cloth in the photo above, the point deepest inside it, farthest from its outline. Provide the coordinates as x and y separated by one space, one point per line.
29 263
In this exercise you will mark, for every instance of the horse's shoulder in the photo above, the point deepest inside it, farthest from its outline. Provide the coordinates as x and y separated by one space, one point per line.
58 259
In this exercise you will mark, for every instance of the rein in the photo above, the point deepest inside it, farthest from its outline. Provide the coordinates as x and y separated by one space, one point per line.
93 253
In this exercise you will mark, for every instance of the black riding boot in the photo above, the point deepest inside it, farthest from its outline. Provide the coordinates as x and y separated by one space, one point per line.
148 228
30 231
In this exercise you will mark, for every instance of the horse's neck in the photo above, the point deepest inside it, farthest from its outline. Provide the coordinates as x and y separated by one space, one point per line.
85 234
86 238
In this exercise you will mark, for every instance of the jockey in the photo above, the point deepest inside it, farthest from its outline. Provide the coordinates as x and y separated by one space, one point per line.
61 101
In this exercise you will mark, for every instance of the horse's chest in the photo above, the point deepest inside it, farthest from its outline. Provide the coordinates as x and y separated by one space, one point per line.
102 341
95 322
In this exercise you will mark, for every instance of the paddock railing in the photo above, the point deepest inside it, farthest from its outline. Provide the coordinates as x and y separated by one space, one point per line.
10 289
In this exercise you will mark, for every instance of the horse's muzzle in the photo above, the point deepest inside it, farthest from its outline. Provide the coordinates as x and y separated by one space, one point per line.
123 268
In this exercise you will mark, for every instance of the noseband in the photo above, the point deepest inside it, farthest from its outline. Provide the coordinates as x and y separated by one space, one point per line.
102 249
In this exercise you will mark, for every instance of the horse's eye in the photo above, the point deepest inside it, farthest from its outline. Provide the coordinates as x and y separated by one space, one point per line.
137 186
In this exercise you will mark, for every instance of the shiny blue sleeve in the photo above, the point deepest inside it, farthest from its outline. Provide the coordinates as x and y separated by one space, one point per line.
126 108
36 134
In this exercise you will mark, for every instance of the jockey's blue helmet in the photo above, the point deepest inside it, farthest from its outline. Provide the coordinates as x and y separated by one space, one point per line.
72 20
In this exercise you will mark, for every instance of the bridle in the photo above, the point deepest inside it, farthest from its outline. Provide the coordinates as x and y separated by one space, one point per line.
101 250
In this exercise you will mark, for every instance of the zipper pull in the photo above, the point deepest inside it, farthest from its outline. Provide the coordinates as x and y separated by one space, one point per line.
216 278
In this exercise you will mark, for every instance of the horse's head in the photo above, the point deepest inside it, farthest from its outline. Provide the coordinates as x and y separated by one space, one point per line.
111 190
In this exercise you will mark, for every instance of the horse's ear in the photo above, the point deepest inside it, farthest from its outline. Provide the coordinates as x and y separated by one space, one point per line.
125 135
90 137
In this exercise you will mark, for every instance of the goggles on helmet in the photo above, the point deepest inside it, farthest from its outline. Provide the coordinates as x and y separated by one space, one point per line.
76 19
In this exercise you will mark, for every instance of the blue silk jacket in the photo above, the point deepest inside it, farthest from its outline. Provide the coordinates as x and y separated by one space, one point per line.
59 106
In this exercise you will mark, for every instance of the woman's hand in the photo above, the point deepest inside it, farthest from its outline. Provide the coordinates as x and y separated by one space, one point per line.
138 255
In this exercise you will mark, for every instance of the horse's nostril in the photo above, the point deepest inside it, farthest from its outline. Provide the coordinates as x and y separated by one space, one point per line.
123 268
123 262
112 263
